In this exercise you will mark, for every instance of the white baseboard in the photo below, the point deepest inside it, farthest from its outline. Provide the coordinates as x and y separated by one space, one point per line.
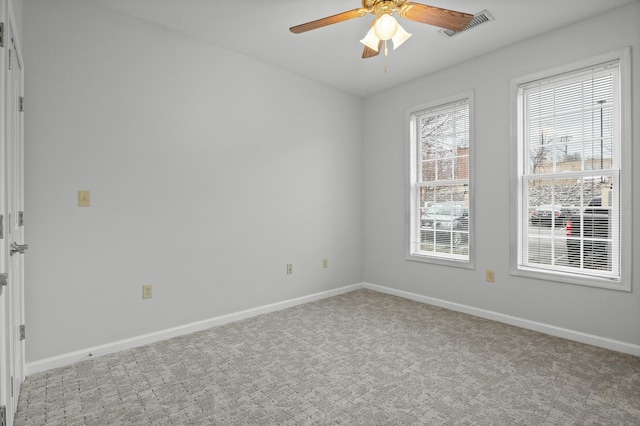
96 351
552 330
82 355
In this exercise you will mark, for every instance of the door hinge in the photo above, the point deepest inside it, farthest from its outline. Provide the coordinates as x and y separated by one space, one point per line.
1 34
21 104
4 281
1 226
23 332
3 415
20 218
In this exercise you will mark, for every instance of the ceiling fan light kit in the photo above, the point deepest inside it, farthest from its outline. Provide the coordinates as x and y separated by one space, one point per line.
400 37
385 27
371 40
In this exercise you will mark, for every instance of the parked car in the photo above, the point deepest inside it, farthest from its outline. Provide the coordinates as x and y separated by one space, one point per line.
593 179
547 214
590 228
446 223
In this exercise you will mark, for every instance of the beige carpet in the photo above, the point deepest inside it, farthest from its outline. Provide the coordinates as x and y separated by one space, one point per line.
363 358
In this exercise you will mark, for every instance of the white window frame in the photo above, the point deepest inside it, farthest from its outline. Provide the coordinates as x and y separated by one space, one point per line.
623 282
412 204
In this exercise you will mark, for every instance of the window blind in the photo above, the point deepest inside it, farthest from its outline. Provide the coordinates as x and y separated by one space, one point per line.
569 172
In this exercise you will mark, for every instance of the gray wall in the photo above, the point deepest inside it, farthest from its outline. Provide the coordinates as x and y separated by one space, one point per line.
208 172
605 313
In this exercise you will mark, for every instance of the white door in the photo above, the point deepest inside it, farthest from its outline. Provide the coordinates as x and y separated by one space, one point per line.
13 242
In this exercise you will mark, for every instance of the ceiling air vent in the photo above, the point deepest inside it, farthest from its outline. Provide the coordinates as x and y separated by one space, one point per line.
478 19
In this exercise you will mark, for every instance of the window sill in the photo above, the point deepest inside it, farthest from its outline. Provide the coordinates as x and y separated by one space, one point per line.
435 260
567 278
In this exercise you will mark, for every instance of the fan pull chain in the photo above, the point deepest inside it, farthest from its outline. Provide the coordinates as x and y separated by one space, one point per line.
386 53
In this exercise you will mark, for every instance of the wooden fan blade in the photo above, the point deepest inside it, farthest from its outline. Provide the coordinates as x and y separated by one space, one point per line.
369 52
340 17
444 18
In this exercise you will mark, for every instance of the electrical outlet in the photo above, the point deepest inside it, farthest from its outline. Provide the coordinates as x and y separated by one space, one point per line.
147 291
491 276
289 268
84 199
325 263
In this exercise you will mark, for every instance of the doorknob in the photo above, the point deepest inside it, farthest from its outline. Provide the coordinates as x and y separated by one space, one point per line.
18 248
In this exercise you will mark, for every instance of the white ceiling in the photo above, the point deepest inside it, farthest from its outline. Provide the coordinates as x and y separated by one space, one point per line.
332 54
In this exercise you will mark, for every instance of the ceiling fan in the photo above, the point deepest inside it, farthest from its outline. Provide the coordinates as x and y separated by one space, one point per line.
385 27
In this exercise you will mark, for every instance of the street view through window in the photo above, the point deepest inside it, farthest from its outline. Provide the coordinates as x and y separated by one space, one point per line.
440 146
570 173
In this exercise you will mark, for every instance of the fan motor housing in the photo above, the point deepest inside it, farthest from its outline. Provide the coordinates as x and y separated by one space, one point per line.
394 4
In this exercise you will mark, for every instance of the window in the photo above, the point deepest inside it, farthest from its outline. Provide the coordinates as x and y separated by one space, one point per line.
440 168
572 184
